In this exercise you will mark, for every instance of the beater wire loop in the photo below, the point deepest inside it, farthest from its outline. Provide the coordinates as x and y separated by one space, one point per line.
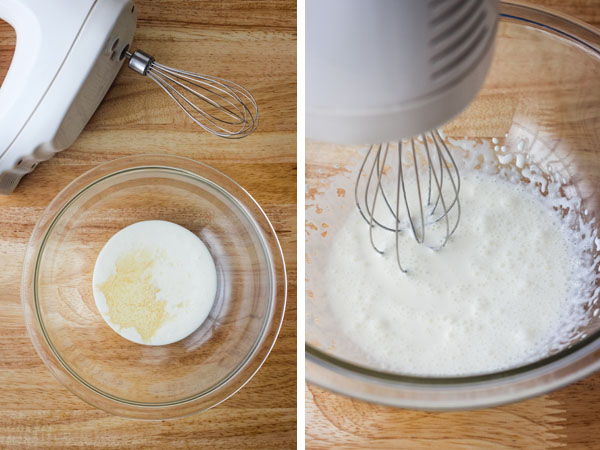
219 106
409 207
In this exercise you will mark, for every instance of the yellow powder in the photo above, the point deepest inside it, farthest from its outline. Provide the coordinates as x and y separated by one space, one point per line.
131 295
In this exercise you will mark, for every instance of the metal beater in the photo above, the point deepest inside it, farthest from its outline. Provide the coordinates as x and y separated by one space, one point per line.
226 109
434 164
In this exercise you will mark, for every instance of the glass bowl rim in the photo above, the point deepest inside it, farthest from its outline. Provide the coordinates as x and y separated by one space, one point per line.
261 228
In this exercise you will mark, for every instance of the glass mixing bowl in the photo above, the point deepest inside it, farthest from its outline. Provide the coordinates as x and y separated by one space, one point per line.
153 382
543 88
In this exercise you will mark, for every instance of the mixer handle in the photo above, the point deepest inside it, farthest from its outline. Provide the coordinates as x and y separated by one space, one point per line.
44 28
65 60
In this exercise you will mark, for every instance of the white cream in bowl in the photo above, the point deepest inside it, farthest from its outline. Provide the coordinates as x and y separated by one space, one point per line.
491 299
517 282
154 282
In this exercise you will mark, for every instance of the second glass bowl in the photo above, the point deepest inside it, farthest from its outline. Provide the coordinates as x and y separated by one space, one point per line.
543 88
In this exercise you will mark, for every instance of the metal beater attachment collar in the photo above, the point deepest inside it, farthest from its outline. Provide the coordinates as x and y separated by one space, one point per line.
219 106
384 178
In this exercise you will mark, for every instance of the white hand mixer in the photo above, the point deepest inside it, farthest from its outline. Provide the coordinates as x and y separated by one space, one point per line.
387 70
67 55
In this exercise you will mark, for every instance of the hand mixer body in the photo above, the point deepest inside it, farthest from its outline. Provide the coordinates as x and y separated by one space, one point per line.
67 56
388 69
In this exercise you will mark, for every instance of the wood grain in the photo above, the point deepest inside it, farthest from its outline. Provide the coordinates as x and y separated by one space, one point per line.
585 10
567 418
252 42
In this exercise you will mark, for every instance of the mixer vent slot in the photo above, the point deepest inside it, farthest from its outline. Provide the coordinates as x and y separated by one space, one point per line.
469 14
459 32
440 15
463 55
